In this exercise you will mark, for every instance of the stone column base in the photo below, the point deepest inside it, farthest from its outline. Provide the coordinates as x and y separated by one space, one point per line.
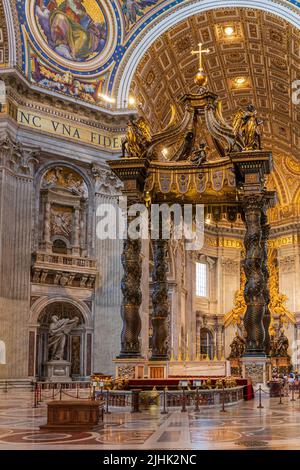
257 369
133 368
58 371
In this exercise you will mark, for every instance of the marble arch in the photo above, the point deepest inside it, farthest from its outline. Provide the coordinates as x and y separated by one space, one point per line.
43 302
139 47
61 163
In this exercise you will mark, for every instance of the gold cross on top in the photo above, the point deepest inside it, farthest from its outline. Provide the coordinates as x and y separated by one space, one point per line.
200 52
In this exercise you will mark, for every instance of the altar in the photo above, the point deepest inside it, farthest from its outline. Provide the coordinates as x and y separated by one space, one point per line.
137 369
199 368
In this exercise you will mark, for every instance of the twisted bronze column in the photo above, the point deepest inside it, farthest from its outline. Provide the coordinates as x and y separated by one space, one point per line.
160 302
253 266
132 299
266 293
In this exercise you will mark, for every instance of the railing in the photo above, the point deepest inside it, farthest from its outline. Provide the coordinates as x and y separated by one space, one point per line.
212 397
173 398
116 398
66 260
135 399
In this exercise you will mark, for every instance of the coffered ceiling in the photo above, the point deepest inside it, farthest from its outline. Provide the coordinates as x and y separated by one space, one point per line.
257 63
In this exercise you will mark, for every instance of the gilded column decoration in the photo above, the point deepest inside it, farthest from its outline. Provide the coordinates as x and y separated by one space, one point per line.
236 315
266 293
277 305
132 298
160 301
254 290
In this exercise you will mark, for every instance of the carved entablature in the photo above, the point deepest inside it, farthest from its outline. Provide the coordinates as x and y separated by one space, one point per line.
18 159
63 270
106 182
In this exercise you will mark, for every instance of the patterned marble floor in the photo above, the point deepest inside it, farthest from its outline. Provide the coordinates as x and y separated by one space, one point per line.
242 427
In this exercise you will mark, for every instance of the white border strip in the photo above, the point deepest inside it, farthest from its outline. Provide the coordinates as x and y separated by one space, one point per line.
12 57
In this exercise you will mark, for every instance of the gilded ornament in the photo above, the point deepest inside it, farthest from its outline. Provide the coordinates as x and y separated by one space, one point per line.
138 138
247 126
277 300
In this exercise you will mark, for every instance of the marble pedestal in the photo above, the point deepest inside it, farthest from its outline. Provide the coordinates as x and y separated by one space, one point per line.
132 368
257 369
58 371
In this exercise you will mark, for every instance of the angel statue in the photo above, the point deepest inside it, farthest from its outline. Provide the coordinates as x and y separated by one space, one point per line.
237 347
137 138
282 345
247 126
58 331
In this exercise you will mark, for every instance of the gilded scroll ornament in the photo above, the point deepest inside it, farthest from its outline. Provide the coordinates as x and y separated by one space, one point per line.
277 300
236 315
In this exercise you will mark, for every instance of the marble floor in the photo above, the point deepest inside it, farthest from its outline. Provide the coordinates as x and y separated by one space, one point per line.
243 426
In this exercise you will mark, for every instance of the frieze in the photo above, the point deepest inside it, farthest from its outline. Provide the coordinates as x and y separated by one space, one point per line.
67 129
224 242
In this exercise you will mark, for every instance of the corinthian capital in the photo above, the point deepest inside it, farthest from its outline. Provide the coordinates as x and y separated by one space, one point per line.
106 182
17 158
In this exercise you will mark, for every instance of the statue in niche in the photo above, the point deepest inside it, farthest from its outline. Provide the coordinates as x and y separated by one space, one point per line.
247 125
237 347
282 345
137 138
58 331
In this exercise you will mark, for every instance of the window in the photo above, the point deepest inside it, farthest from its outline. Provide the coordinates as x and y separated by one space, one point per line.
201 280
206 343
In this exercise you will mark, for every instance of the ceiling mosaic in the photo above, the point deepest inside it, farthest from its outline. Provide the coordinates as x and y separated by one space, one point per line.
75 46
